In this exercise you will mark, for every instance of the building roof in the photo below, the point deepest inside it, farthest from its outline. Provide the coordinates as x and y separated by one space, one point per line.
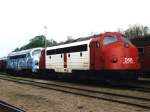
141 41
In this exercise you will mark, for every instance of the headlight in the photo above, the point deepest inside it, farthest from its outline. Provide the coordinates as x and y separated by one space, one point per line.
114 60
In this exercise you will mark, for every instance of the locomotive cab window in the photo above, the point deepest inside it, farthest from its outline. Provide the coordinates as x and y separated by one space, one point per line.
36 53
109 39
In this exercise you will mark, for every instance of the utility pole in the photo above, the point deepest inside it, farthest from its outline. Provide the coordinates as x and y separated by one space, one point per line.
45 30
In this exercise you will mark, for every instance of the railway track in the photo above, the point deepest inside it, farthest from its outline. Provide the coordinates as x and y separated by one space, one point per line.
98 94
5 107
138 86
134 85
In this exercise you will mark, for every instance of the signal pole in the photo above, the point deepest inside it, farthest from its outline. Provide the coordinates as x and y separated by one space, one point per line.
45 33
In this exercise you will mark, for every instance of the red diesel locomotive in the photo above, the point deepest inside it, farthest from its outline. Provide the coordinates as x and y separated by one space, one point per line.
110 55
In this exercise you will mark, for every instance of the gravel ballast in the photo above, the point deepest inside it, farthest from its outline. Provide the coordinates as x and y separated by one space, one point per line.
35 99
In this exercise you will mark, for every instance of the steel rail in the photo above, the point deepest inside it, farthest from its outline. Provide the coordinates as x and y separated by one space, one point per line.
5 107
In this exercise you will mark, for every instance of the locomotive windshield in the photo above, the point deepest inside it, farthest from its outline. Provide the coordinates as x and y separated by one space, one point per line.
36 53
109 39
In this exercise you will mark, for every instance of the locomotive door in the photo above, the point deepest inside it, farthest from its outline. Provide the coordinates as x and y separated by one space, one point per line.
96 60
65 60
92 55
42 60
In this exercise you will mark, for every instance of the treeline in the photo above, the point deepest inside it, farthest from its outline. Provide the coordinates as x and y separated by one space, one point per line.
41 41
135 31
38 41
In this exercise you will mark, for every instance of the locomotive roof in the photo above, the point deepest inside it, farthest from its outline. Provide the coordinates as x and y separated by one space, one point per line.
78 40
86 41
84 38
141 41
23 51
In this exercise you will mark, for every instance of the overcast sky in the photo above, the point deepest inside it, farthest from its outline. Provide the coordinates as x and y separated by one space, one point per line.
21 20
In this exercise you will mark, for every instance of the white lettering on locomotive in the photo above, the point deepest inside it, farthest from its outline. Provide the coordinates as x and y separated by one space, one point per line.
128 61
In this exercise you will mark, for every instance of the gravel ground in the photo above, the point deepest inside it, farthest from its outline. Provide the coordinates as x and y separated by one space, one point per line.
35 99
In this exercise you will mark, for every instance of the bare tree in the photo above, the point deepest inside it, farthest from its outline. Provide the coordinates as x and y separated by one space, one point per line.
137 31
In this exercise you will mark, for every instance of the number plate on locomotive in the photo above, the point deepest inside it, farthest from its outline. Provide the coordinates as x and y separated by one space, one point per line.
128 61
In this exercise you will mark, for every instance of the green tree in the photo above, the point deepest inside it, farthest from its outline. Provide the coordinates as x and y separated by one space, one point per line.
17 49
38 41
51 42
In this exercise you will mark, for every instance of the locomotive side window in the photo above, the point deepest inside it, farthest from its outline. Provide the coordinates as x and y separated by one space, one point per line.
50 52
18 56
109 39
71 49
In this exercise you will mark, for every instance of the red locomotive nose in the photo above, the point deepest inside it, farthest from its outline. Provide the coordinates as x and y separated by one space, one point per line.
120 54
119 57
